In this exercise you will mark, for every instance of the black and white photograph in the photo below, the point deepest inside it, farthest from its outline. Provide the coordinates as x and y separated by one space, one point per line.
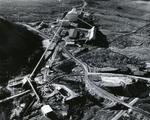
74 59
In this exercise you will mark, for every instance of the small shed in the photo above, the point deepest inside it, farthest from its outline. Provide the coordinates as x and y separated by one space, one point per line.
73 34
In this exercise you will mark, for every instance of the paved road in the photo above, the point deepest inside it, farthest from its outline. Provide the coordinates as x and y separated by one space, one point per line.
97 91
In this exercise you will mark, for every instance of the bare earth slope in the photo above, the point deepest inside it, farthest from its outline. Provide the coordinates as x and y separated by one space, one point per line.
126 24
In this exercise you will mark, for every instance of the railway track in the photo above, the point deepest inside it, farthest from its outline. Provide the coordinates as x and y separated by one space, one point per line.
96 91
90 86
99 92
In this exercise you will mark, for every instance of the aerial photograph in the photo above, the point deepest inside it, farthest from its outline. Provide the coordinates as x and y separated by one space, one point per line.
74 59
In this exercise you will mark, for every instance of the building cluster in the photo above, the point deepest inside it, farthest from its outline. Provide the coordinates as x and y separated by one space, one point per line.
76 27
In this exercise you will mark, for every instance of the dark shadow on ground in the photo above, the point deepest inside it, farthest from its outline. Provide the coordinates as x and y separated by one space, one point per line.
19 48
